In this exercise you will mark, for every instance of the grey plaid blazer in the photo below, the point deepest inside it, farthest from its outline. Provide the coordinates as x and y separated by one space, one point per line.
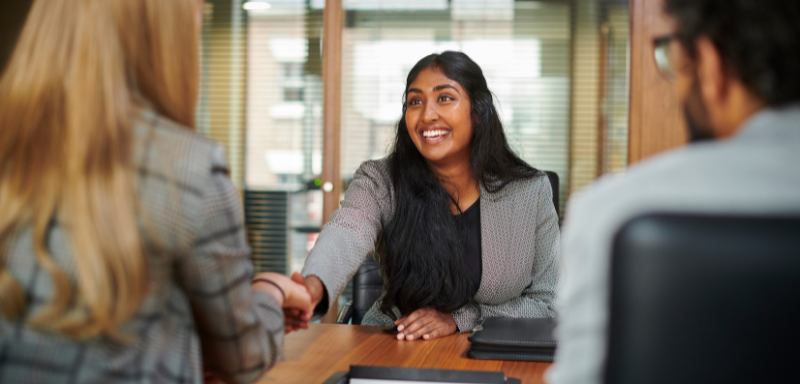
519 240
199 278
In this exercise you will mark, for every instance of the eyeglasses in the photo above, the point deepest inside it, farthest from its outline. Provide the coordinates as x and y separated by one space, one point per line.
662 54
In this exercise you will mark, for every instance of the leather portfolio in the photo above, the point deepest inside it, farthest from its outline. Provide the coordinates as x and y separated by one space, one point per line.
399 375
503 338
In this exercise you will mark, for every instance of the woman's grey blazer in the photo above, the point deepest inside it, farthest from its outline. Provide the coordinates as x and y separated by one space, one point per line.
519 240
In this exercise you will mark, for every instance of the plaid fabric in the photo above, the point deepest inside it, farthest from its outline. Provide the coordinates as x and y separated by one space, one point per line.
200 272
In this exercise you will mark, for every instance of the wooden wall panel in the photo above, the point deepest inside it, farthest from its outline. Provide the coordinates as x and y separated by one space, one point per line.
656 119
333 21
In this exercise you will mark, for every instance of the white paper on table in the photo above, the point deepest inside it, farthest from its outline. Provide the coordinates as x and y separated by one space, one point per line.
386 381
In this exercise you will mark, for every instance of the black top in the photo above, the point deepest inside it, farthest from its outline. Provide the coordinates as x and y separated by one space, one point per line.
472 245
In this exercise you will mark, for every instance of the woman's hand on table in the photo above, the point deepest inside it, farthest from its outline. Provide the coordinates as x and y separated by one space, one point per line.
426 324
292 297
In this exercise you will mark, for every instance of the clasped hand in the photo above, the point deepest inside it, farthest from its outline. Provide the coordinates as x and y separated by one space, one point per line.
426 324
296 304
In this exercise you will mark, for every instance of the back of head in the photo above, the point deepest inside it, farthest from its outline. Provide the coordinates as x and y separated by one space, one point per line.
757 39
80 72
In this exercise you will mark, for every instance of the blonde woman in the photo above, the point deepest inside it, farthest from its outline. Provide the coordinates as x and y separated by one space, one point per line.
122 245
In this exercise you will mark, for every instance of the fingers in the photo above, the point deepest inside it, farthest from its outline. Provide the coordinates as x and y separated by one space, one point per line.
298 278
294 320
297 305
297 295
292 325
422 320
403 322
433 334
426 329
426 324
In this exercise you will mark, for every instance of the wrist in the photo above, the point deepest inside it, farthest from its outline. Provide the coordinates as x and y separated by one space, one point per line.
453 322
315 289
271 290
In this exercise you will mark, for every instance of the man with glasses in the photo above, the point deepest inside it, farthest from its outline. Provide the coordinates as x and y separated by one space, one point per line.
736 66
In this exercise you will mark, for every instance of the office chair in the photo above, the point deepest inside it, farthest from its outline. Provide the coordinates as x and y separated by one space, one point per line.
553 177
367 288
704 299
368 283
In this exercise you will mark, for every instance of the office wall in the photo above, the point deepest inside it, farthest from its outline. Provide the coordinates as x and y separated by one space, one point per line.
656 120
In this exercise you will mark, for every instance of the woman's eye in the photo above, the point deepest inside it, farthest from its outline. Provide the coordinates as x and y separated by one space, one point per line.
414 102
445 98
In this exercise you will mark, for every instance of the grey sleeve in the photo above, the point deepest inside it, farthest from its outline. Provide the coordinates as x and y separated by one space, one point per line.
349 237
537 300
241 332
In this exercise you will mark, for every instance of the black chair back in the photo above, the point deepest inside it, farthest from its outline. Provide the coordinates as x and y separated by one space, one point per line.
553 177
700 299
367 288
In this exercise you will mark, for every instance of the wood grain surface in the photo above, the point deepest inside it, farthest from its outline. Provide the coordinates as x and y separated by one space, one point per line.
333 20
656 116
315 354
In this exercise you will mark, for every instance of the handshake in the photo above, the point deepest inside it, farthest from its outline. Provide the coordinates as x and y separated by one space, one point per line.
298 296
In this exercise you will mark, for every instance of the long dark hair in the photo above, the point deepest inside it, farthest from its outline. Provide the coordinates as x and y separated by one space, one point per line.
420 249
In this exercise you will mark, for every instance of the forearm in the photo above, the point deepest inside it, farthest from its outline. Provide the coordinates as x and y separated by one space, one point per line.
349 237
251 351
332 263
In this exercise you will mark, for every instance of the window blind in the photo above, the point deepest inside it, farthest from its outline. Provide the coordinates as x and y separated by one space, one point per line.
558 70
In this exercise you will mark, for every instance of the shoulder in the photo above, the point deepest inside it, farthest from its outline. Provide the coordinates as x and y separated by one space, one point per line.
714 177
169 150
375 168
375 173
673 173
536 188
181 177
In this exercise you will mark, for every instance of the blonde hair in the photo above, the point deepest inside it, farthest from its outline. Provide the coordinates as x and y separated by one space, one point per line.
80 72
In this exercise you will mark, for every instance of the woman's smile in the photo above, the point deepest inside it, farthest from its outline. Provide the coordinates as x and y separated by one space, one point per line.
434 135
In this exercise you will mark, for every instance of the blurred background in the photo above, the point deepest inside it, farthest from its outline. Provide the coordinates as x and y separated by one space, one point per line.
559 70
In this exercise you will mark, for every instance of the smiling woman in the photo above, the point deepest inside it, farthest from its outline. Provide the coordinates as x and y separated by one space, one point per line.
462 228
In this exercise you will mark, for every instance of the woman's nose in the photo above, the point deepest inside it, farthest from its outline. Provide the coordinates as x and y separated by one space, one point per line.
430 114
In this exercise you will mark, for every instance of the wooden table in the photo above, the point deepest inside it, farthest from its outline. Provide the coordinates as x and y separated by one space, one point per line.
315 354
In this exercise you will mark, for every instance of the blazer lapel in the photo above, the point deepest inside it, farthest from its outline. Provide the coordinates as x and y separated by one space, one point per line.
507 235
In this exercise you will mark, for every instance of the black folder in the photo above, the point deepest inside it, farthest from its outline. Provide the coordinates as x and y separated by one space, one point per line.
397 374
502 338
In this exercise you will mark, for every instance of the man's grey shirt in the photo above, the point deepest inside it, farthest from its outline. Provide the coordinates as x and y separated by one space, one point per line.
756 172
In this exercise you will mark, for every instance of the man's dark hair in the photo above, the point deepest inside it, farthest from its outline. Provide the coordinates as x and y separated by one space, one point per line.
759 41
420 249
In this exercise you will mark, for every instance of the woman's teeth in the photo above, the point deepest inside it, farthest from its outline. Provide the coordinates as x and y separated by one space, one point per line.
429 134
